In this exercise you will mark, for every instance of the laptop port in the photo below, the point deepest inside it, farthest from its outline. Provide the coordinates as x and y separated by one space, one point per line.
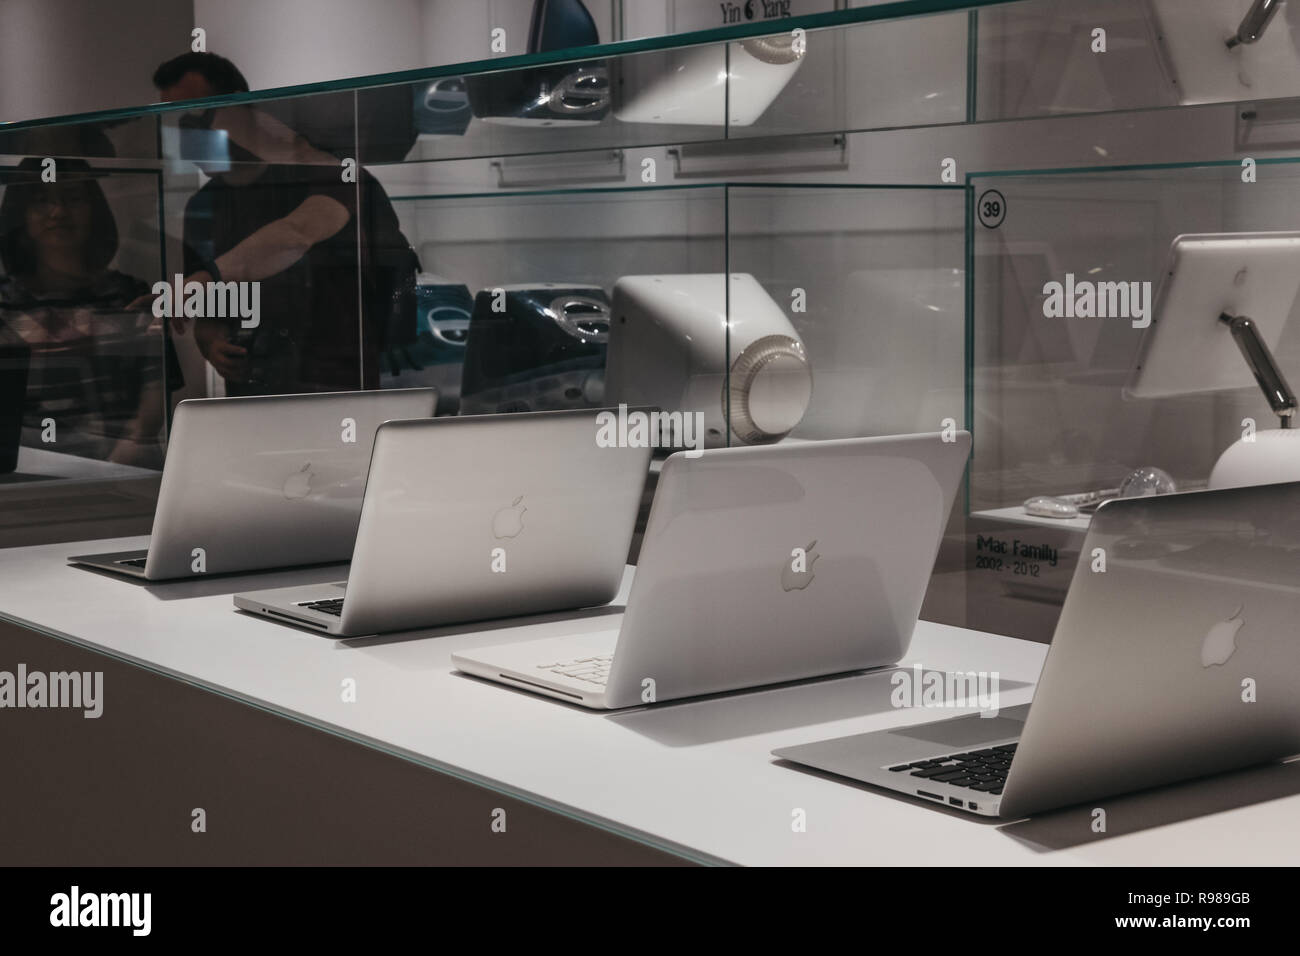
932 796
300 621
973 805
955 801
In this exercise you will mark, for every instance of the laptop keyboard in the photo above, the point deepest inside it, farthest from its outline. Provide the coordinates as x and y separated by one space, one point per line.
593 670
133 562
332 606
982 770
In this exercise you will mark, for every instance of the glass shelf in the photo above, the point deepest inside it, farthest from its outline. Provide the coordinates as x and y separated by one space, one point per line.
915 63
719 37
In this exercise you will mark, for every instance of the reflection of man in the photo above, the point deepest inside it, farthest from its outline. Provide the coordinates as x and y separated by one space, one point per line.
281 214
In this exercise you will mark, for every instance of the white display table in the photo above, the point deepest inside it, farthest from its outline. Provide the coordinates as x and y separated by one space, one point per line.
695 777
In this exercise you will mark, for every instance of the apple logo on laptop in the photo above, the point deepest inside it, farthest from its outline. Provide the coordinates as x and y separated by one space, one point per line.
1221 640
509 521
298 485
797 573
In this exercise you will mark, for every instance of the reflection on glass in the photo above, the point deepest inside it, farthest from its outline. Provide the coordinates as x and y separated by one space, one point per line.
243 220
431 353
279 218
543 348
712 85
441 106
564 94
94 374
543 266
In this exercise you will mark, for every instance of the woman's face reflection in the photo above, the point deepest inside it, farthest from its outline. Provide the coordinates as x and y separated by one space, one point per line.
59 218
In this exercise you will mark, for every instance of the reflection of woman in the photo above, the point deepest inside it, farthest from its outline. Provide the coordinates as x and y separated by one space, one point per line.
96 368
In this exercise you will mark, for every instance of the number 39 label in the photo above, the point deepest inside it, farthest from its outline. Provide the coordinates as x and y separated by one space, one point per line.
992 209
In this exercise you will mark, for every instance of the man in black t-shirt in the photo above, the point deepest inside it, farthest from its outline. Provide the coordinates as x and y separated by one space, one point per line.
329 255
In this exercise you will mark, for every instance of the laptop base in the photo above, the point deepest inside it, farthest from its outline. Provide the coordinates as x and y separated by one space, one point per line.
290 606
536 666
868 757
126 563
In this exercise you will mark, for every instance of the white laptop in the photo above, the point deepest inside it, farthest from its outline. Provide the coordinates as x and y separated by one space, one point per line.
481 516
760 565
262 482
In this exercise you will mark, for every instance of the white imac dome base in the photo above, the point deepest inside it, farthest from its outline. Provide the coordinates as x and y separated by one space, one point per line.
1272 457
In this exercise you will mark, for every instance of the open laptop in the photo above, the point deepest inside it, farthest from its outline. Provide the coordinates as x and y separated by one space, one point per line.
1179 660
262 482
477 517
759 565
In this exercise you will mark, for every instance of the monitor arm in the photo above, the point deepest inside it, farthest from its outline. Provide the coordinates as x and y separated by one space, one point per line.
1255 23
1263 366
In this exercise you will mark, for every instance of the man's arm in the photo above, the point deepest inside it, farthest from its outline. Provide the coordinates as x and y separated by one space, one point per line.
279 244
268 251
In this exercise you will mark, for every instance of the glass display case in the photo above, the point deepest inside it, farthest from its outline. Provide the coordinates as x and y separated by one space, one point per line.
858 276
1055 396
862 204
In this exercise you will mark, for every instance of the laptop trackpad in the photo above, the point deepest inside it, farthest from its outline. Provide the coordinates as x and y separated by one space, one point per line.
969 731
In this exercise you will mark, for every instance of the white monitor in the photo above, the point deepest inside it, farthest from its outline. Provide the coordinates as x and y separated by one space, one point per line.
698 86
1192 39
671 338
1188 349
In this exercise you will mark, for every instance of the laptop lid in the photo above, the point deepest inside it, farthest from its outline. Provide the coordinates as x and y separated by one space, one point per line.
774 563
489 516
268 481
1175 654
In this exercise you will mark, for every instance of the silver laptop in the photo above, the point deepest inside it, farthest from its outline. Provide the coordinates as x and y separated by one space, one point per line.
1179 660
760 565
482 516
262 482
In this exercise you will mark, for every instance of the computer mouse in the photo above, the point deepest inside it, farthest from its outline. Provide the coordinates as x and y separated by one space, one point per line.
1045 506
